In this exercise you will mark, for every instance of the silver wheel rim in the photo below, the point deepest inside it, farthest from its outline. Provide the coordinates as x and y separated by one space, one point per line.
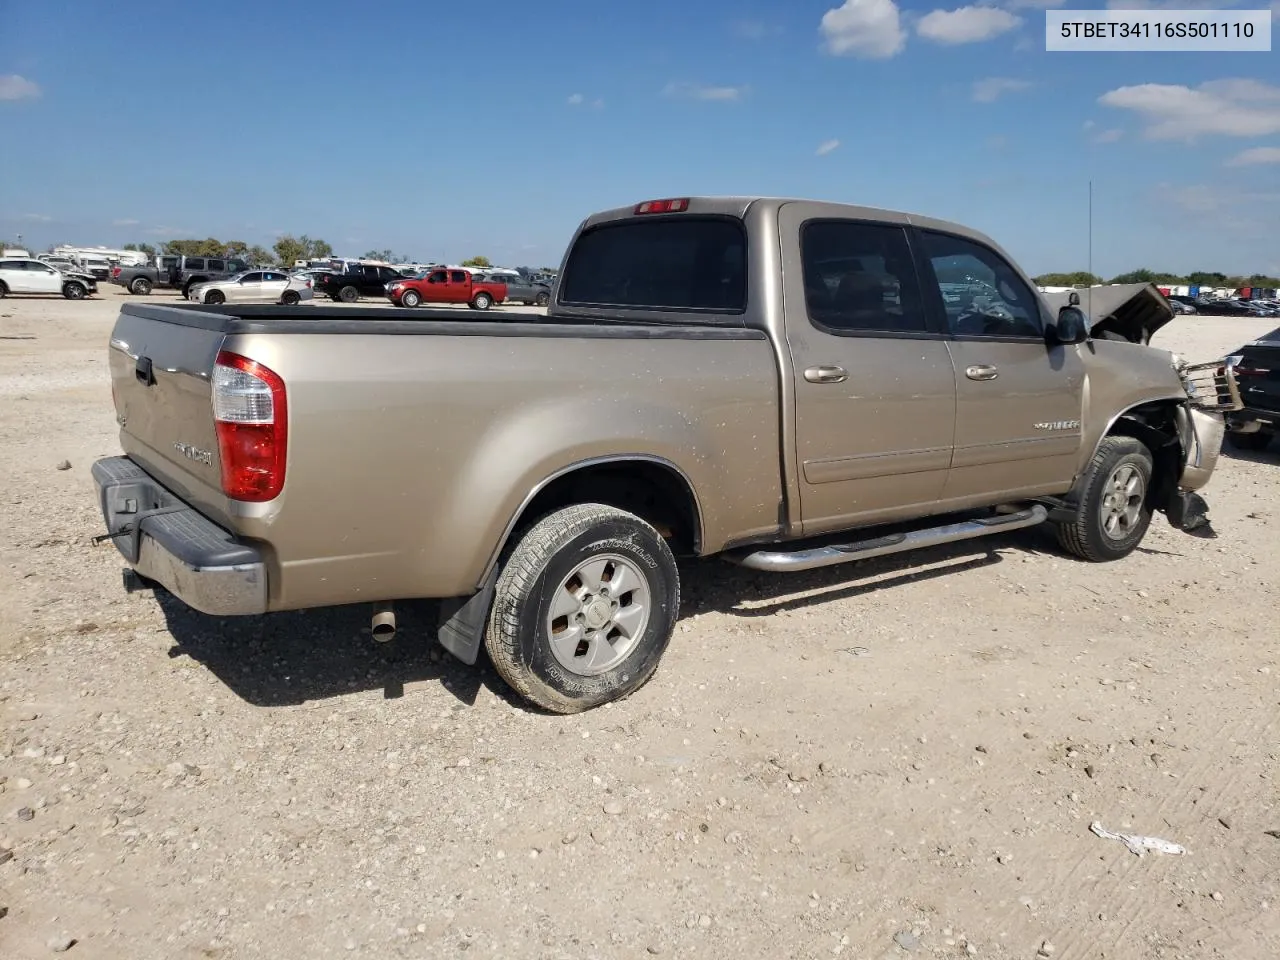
410 300
1122 499
597 615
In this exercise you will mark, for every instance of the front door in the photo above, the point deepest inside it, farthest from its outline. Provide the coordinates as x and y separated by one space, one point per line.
248 287
874 391
42 278
1018 398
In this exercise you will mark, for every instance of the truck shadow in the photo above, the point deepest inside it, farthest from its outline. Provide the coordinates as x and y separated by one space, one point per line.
287 659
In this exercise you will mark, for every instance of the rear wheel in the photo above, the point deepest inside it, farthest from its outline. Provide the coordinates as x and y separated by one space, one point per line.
141 286
482 301
583 609
410 298
1258 440
215 297
290 298
1112 515
74 290
542 300
349 294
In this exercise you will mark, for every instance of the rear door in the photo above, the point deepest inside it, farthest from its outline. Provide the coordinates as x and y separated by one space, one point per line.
1018 399
459 286
274 285
875 393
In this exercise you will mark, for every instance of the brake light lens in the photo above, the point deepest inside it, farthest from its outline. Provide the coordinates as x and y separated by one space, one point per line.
250 414
663 206
115 271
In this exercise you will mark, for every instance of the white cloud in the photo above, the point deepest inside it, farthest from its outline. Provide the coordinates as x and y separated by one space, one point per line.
1257 155
124 223
696 91
1238 208
871 29
1107 136
827 146
576 100
1036 4
1233 108
1170 4
170 232
36 218
966 25
1088 125
14 87
991 89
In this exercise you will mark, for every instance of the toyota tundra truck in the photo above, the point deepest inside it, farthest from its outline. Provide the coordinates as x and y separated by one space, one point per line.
786 384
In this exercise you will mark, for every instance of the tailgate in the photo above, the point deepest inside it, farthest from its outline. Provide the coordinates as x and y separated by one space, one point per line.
160 382
1259 376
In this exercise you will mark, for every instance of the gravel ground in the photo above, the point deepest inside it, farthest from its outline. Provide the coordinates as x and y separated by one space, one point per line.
897 758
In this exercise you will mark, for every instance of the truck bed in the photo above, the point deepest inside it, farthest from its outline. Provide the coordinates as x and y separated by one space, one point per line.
232 318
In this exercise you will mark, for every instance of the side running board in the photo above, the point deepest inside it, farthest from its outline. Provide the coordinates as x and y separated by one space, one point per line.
780 561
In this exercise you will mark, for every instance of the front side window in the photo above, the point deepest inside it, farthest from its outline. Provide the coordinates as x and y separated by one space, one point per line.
981 294
251 278
671 263
437 277
859 278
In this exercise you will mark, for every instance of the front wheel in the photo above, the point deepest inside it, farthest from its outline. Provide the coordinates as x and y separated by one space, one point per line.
583 609
1112 515
1258 440
215 297
542 300
482 301
140 286
410 298
74 291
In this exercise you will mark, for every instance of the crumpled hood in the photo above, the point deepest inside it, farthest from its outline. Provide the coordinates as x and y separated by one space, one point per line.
1122 311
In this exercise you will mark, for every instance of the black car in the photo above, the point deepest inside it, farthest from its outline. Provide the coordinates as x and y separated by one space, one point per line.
1257 369
356 280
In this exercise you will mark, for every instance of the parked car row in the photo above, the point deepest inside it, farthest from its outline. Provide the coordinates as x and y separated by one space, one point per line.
1225 307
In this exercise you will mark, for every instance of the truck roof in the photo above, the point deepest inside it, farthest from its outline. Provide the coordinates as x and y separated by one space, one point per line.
738 207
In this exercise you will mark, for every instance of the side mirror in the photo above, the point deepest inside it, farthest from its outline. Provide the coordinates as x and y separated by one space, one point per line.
1072 326
1073 299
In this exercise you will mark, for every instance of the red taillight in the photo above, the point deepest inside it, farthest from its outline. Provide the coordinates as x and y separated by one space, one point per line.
115 271
251 416
663 206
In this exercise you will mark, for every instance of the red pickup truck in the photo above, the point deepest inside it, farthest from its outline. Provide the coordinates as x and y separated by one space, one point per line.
446 286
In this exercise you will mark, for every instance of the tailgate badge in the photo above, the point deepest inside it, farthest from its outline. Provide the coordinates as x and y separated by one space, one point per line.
192 452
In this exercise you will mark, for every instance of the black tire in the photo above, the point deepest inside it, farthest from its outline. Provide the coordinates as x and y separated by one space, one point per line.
291 298
4 291
542 299
141 286
410 298
482 301
215 297
74 290
518 638
1087 535
348 294
1259 440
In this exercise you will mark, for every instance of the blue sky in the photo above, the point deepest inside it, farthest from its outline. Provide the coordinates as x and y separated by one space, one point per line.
445 134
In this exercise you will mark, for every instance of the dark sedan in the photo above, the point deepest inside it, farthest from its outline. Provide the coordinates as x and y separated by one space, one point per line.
1257 368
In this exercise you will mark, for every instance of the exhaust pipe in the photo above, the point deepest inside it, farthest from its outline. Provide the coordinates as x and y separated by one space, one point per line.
384 621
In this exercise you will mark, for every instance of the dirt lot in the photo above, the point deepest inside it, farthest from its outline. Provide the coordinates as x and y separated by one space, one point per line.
898 758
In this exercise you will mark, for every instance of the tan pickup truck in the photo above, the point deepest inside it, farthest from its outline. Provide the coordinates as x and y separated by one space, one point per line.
786 383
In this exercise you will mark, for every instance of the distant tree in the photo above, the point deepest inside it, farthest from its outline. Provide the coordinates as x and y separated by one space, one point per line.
146 248
476 262
316 249
1141 275
209 247
235 248
1079 278
261 257
289 250
1206 279
386 255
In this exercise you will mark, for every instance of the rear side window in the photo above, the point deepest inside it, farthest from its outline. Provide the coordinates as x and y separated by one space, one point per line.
217 265
457 276
195 263
859 277
673 263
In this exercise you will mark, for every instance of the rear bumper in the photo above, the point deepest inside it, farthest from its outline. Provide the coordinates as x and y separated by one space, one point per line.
167 541
1253 419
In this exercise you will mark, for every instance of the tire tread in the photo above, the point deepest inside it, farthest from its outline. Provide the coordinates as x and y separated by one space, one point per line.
1073 535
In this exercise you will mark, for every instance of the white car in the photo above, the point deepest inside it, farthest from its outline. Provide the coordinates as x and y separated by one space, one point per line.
254 286
29 275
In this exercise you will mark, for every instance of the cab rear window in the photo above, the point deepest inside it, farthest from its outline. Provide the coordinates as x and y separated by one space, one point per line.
671 263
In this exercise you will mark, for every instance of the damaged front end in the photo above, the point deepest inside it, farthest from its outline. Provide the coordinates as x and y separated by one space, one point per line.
1212 392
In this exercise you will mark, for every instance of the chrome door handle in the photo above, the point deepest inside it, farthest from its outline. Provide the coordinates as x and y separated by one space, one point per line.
982 371
826 375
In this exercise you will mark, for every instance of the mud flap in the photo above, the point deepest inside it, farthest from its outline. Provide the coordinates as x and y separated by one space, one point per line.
463 621
1190 513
